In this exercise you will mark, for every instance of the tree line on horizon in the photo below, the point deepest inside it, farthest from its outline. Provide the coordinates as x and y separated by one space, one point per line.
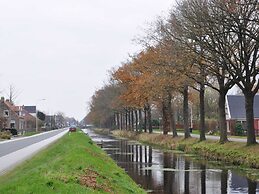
200 44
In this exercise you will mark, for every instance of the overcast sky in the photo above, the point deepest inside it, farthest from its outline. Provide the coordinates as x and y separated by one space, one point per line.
61 50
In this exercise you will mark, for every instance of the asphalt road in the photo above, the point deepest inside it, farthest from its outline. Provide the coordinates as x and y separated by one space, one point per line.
14 152
8 147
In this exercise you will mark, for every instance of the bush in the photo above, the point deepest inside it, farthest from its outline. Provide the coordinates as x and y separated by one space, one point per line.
155 122
239 129
5 135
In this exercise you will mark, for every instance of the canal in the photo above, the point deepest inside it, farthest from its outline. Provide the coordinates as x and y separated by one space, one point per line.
159 171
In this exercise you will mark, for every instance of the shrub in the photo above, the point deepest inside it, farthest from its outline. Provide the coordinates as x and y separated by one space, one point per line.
239 129
5 135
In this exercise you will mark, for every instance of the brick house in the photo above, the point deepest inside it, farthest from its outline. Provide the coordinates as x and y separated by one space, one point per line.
28 114
29 117
9 116
235 113
21 118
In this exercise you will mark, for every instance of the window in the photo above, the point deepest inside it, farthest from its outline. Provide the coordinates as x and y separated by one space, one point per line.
6 113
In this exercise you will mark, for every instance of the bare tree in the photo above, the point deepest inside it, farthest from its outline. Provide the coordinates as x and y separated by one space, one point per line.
228 32
12 93
194 26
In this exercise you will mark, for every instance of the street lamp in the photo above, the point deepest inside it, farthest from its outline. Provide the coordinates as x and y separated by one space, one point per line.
37 113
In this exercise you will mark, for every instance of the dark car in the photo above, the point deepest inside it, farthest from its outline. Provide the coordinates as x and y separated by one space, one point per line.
72 129
12 130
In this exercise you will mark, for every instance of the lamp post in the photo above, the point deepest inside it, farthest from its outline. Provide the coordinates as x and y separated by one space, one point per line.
37 113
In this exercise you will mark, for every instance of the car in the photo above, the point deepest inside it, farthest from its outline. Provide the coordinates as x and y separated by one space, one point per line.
72 129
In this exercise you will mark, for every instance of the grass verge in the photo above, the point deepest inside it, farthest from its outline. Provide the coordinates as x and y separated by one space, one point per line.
31 133
74 164
232 152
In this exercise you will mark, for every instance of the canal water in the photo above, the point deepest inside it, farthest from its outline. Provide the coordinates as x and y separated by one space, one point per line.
159 171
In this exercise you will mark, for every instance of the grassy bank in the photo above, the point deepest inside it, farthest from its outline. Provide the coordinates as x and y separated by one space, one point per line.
231 152
31 133
74 164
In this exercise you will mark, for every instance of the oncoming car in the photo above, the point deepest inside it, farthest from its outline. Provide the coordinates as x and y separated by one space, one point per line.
72 129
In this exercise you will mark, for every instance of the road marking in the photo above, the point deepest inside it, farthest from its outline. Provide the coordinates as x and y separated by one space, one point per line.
9 161
21 138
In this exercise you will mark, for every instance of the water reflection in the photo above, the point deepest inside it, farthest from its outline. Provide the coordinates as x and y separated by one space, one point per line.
166 172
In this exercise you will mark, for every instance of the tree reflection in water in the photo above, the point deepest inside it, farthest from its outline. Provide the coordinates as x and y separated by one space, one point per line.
251 186
182 175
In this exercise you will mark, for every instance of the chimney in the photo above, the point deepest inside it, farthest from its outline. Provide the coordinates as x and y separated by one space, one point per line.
2 99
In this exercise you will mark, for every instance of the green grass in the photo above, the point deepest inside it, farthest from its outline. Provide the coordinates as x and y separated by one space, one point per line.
31 133
156 129
74 164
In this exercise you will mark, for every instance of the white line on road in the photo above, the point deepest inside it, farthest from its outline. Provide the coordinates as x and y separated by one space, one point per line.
27 137
8 162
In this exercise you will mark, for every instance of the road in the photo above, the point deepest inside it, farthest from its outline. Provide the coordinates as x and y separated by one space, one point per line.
15 151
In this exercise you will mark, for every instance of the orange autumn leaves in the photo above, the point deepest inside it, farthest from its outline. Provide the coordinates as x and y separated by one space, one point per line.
148 76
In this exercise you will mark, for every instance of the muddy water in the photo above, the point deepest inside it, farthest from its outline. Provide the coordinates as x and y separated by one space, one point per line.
159 171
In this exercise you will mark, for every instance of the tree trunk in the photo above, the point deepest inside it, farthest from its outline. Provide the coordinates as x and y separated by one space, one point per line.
145 120
149 119
118 120
115 124
129 119
126 120
222 117
186 113
136 120
165 117
172 117
121 121
132 120
202 113
249 105
140 120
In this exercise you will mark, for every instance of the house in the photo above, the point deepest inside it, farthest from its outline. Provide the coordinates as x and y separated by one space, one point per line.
29 117
10 116
236 113
21 118
30 109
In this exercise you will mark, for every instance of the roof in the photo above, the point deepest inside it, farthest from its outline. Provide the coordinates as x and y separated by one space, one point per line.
30 109
236 106
11 107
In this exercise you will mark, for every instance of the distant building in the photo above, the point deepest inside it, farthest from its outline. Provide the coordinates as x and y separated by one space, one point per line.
50 122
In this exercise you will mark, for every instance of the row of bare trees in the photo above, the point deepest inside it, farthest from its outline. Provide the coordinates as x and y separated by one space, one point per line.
200 44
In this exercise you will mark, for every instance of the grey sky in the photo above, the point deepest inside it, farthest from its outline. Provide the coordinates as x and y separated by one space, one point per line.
61 50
